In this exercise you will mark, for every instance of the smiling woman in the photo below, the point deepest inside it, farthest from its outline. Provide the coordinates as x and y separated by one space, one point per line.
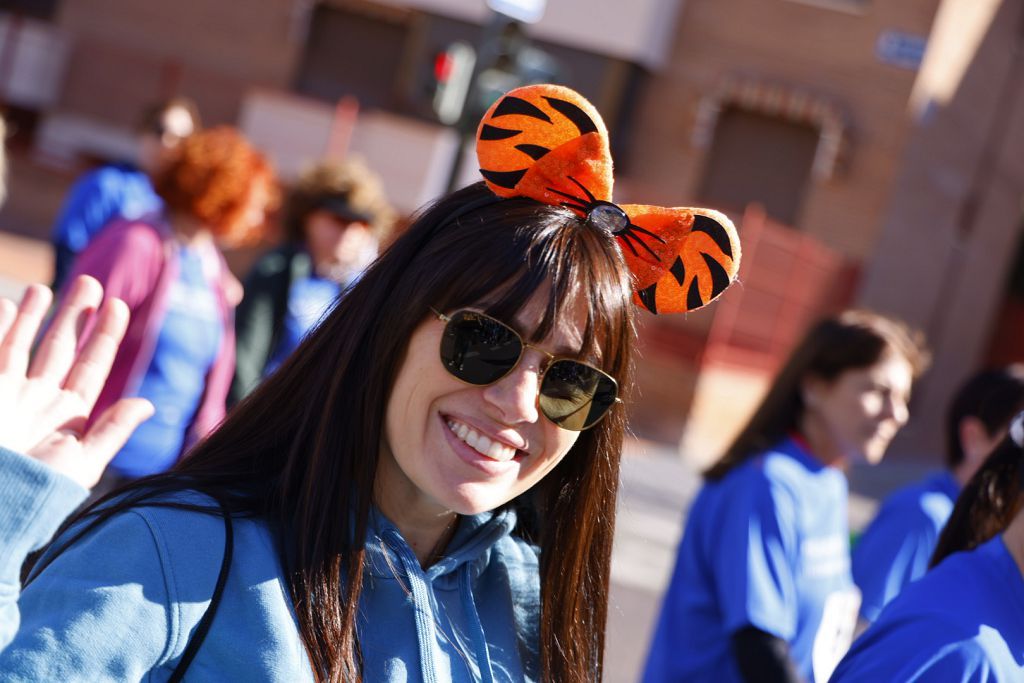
424 491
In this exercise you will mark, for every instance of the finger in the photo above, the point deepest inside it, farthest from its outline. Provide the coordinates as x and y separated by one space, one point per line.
89 371
56 353
8 310
14 349
110 432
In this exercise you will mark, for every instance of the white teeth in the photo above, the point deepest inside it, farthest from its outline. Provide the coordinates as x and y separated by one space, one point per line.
496 451
482 444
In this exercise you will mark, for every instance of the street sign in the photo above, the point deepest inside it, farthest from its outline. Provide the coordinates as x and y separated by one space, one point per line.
897 48
526 11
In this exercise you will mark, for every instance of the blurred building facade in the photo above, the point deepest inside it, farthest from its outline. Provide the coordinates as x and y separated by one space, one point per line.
859 169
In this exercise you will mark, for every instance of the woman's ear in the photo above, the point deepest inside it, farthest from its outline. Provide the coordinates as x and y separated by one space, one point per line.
975 440
810 391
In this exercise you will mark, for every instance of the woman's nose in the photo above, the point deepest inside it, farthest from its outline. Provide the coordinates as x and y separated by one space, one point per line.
515 394
897 408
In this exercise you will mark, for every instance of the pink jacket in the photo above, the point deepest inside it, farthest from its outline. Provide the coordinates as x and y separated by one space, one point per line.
136 261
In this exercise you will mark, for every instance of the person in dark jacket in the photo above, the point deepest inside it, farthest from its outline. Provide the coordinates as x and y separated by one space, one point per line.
335 219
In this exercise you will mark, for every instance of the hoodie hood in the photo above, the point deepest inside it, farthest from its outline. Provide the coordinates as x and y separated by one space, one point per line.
451 616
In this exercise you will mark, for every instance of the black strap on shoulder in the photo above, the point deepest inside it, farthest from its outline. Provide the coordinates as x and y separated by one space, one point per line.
763 657
203 627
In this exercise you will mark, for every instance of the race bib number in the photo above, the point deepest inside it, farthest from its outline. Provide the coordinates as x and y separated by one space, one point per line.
835 632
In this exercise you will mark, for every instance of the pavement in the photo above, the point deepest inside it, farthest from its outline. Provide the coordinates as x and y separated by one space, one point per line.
22 260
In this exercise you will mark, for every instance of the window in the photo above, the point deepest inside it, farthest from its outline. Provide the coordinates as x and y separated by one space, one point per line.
37 9
354 51
759 158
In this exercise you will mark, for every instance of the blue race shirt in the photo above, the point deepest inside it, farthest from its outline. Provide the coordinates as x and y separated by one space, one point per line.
97 198
766 546
309 298
187 346
897 546
962 622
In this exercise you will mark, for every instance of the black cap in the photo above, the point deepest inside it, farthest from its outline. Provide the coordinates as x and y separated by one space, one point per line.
338 205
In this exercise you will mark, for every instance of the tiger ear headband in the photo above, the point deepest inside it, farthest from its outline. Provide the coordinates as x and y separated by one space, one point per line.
548 143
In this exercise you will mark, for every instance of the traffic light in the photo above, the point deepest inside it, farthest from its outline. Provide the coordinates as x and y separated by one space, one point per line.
453 74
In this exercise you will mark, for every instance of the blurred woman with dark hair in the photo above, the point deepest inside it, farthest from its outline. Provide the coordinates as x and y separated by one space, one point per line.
964 619
179 348
762 589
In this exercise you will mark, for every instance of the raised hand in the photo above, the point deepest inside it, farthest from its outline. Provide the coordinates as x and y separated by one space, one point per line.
45 403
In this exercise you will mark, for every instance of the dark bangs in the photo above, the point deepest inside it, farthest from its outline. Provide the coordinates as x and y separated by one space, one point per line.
502 254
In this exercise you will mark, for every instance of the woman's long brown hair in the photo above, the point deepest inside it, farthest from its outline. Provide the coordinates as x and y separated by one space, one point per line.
301 451
987 504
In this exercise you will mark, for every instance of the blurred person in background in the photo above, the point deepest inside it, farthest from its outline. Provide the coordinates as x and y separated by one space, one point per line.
179 349
963 621
762 589
897 546
335 219
121 190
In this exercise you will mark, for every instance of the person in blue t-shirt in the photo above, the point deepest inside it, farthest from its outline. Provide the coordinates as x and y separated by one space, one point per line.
121 190
897 546
335 218
963 621
762 587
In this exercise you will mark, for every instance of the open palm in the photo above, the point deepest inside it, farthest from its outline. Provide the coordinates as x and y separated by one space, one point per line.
45 402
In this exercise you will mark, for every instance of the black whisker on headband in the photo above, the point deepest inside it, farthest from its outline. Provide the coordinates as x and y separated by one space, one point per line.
626 235
590 195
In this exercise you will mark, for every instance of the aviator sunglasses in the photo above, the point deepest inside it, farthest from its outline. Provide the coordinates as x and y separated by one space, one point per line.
478 349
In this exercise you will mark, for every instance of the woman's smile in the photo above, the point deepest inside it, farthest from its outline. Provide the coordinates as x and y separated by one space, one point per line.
481 443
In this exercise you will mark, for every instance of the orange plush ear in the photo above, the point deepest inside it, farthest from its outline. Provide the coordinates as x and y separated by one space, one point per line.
548 143
696 256
543 142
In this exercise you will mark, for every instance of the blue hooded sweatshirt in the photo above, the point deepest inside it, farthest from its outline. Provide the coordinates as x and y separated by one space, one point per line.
122 603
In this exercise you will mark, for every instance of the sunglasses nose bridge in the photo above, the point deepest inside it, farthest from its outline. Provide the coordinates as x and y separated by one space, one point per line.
543 366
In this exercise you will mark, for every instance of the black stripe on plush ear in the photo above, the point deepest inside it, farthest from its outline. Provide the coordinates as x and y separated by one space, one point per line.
719 278
535 152
489 132
515 105
678 271
714 230
583 122
507 179
648 297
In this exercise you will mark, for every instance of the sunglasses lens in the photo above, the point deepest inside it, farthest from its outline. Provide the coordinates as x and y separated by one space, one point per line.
478 349
575 396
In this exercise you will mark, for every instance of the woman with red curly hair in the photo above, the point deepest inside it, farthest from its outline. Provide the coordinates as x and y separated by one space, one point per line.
179 351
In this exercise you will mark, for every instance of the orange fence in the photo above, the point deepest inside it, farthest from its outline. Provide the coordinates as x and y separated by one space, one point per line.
787 280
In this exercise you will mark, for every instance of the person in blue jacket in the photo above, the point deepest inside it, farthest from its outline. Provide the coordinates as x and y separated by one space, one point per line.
373 499
761 590
122 189
963 621
897 546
